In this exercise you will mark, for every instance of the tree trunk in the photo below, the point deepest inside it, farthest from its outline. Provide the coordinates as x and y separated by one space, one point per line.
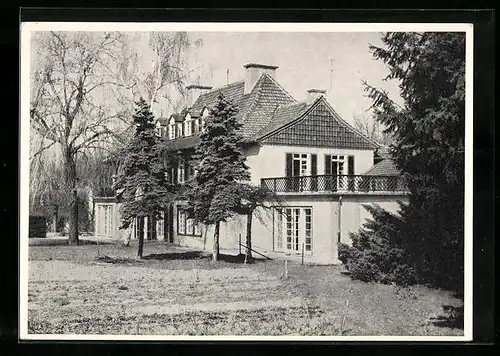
215 252
248 243
54 219
141 236
70 178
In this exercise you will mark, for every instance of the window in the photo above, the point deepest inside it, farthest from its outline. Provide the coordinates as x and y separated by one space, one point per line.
180 130
187 226
187 128
181 222
181 170
172 131
279 232
297 230
194 126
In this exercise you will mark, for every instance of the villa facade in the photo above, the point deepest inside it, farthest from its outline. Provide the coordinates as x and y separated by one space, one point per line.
321 168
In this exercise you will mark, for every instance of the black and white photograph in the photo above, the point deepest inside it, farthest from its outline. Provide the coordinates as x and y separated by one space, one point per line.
246 181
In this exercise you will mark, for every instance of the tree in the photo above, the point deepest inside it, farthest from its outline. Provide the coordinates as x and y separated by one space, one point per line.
429 135
253 197
371 128
83 86
72 71
217 189
141 183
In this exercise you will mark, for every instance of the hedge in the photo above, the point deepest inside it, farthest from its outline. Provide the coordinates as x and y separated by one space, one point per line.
38 226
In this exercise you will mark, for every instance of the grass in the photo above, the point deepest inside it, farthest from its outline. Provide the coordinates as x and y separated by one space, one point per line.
175 291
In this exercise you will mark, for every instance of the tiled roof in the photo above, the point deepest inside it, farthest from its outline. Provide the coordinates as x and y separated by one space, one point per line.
181 143
282 115
163 120
386 167
255 109
383 152
232 92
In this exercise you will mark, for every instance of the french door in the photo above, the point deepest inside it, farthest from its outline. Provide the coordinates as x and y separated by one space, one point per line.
336 169
300 168
297 230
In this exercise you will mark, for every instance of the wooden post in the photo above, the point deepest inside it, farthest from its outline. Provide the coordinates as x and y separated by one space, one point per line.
286 269
302 253
239 244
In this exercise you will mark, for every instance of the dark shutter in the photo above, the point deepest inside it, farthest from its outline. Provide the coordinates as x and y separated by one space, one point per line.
328 172
350 165
350 171
289 163
288 172
314 165
328 164
186 171
314 172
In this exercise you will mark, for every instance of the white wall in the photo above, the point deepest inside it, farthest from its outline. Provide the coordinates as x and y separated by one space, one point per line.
269 161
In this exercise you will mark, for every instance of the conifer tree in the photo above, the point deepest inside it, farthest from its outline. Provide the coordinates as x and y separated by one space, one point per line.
429 137
141 183
217 190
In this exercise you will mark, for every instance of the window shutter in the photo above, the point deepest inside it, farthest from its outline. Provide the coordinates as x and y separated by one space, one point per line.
289 163
328 164
350 171
186 172
314 164
350 165
314 172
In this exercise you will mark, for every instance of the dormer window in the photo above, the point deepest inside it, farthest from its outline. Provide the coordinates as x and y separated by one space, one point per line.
204 114
187 126
158 129
171 129
180 130
194 126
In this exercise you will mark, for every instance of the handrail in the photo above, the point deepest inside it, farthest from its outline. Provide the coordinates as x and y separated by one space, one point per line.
251 249
324 183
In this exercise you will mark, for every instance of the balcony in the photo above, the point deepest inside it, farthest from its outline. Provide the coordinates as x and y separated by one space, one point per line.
336 183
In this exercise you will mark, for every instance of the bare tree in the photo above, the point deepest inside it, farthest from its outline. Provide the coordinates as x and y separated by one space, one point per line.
83 87
68 104
372 129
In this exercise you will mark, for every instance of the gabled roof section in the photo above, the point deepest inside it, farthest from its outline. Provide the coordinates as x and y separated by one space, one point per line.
386 167
232 92
258 110
163 120
283 115
317 125
255 109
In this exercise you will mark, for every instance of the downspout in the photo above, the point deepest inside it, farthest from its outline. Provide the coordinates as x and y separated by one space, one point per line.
340 218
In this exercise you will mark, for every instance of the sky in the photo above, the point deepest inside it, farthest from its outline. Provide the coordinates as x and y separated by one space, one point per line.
336 62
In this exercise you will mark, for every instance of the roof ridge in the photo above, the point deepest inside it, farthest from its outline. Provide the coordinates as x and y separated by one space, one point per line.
280 86
224 87
257 96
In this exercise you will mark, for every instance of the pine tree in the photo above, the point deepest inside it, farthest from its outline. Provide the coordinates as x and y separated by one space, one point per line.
429 137
216 192
141 183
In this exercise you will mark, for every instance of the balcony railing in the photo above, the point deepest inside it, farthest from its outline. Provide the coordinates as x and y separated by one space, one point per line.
335 183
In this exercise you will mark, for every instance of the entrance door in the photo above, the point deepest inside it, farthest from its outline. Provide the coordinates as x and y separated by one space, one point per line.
298 230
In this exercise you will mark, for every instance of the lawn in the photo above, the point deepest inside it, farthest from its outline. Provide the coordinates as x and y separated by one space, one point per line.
175 291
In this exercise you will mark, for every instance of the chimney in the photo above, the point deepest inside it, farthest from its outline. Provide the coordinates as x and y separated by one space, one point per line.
254 71
314 94
193 92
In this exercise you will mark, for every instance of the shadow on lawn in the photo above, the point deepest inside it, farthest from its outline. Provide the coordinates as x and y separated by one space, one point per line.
188 255
65 242
453 318
192 255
